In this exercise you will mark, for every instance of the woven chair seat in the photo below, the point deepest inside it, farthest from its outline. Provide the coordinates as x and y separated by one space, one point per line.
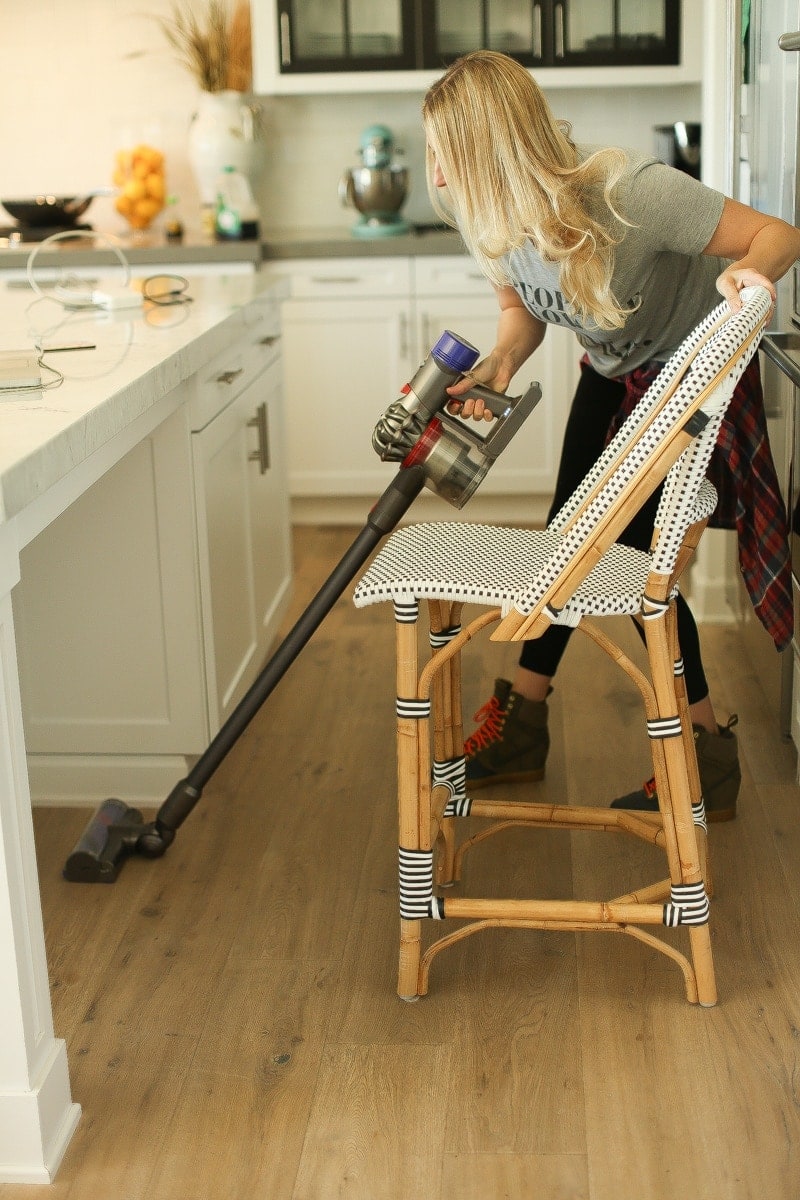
491 565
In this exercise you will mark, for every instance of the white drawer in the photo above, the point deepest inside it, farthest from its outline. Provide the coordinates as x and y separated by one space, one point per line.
450 275
328 278
233 369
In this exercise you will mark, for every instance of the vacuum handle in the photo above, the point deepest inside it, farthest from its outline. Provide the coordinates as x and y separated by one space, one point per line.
510 413
497 404
518 410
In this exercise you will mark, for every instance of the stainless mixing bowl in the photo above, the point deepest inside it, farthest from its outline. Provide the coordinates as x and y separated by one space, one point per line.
374 191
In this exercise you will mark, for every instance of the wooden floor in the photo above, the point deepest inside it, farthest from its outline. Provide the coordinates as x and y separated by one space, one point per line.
230 1010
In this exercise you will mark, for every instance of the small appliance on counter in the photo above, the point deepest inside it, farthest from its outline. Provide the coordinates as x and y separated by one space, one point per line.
378 188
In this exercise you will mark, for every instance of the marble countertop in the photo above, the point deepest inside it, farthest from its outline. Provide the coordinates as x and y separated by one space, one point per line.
138 357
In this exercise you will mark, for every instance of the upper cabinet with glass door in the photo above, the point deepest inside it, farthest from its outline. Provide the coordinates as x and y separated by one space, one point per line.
451 28
620 33
346 35
555 33
379 45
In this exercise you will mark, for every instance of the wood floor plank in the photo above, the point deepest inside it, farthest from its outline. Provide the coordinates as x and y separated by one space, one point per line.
513 1176
367 1009
245 1104
517 1074
376 1131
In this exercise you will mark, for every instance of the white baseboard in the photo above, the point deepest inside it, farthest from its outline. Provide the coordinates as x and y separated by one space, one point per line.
61 780
36 1126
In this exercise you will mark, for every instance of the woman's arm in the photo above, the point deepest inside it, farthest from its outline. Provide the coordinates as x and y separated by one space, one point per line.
519 333
763 249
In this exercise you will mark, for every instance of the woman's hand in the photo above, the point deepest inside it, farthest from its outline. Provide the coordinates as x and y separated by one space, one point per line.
734 278
519 333
491 373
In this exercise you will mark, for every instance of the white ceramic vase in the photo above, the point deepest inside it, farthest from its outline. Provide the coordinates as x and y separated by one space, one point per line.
222 134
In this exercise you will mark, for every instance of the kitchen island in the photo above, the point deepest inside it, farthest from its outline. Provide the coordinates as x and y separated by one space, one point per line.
136 371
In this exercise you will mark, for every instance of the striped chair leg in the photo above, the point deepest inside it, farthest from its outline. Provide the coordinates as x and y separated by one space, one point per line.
448 737
681 836
698 808
408 789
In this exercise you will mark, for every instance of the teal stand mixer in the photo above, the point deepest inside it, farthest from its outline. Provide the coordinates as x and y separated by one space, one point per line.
377 188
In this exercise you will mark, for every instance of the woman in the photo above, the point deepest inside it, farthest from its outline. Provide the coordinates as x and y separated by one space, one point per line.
631 254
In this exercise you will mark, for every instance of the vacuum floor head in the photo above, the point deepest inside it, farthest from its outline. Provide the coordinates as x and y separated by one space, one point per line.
109 837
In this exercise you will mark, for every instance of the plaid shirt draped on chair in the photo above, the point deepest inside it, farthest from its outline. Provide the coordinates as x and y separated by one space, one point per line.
743 472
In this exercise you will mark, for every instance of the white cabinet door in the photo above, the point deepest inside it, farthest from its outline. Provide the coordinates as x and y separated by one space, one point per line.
108 630
146 610
243 538
345 361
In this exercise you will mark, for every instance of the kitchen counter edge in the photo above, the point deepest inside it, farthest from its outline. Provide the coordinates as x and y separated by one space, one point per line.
275 246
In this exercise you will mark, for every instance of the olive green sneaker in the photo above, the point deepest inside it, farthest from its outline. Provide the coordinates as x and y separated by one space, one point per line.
511 743
720 775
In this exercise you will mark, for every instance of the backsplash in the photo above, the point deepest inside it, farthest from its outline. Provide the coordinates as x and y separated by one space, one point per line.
76 84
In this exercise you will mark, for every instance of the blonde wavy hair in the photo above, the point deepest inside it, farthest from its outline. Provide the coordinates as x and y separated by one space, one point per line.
513 175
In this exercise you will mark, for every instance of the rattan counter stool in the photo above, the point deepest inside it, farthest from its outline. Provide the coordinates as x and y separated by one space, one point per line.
570 573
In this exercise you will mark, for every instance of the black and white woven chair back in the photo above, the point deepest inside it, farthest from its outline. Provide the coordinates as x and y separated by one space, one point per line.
688 496
756 303
726 344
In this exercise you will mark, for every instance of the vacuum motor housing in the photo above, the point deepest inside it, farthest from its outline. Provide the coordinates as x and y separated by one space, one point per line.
455 454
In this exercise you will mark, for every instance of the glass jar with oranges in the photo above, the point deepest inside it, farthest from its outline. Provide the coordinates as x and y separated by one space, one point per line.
139 176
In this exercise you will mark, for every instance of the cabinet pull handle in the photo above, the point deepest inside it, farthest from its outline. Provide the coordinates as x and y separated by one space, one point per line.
403 335
537 31
286 40
270 340
426 331
789 41
335 279
559 13
261 455
229 376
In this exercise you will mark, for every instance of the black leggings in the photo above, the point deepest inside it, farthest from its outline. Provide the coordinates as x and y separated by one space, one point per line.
596 402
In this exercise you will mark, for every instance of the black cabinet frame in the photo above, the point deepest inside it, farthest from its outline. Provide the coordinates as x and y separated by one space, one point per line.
550 22
623 51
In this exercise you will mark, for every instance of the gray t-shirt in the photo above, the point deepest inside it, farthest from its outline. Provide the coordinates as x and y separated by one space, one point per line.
658 266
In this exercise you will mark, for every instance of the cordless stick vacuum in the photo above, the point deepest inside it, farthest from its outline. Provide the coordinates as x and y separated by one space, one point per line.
435 450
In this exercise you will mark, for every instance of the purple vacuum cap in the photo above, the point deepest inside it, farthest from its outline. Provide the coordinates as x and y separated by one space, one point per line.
455 352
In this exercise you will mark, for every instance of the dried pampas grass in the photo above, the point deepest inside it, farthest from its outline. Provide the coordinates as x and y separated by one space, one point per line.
214 45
